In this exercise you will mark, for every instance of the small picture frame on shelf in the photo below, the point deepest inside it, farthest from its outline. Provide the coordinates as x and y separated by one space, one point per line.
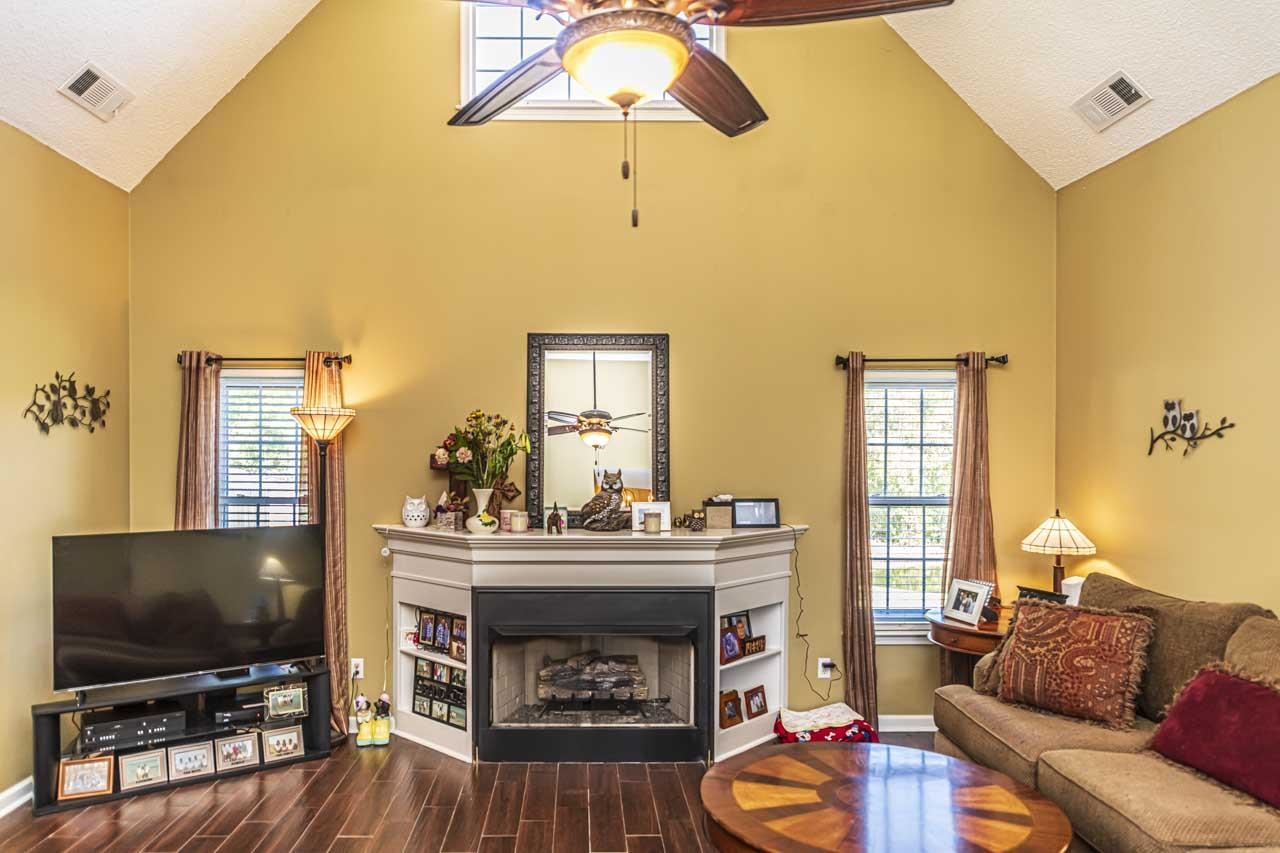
730 645
440 672
422 706
458 650
439 711
281 744
741 621
639 508
455 695
236 751
285 701
756 512
191 760
86 777
754 645
460 628
965 600
730 709
426 629
755 702
444 632
457 717
422 668
458 676
143 769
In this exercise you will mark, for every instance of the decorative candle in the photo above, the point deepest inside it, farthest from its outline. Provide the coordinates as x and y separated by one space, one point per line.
520 522
504 520
653 522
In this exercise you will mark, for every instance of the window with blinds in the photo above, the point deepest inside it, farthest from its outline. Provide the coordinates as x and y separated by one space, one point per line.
262 470
910 433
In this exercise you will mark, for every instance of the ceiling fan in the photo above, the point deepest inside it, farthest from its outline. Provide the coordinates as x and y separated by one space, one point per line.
594 426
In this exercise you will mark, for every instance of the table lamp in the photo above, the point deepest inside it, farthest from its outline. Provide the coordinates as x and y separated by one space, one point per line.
1058 536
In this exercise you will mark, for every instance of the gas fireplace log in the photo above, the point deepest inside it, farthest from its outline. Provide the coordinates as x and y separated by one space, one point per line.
590 675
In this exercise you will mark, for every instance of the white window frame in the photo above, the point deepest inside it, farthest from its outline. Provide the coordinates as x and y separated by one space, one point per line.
563 110
896 630
254 373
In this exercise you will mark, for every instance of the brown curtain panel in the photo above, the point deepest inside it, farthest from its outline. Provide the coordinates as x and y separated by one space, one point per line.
196 496
971 537
859 622
322 386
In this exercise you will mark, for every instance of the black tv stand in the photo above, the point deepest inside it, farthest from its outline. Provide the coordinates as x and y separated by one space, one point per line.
192 692
233 674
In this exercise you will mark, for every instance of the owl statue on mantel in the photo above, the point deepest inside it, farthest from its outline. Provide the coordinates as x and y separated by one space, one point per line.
604 511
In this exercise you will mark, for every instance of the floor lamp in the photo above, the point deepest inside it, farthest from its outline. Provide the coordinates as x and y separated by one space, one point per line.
323 424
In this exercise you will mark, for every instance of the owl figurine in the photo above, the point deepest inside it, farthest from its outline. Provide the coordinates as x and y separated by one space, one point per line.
414 512
604 510
1172 415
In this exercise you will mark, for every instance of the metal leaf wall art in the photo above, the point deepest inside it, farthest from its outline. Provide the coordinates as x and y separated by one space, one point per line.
1184 426
65 401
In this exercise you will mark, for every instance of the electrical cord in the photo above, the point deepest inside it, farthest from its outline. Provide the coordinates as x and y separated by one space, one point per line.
802 636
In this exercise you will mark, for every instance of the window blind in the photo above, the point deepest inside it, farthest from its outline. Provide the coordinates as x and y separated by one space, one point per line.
262 471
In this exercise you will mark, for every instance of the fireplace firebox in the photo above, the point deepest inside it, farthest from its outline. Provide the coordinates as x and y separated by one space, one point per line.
605 674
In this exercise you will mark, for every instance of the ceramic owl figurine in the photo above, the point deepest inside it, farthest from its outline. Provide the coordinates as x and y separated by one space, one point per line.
414 512
604 510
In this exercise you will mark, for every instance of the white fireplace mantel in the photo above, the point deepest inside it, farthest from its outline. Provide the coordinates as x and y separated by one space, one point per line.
749 570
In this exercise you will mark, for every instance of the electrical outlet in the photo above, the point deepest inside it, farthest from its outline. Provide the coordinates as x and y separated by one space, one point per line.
357 668
825 666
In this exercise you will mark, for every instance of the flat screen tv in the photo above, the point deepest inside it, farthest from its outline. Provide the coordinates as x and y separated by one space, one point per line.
137 606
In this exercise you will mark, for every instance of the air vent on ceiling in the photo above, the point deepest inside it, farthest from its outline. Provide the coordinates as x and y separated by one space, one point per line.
1111 101
96 91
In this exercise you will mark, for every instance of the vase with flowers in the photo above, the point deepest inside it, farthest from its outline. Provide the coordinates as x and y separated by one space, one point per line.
480 453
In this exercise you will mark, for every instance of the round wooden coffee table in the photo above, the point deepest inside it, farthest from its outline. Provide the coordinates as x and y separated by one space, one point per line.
854 797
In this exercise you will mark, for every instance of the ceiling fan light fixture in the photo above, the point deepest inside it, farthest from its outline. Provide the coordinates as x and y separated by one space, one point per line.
627 57
595 436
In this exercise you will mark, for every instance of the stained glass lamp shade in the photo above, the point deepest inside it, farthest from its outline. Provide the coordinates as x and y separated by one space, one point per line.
1058 536
322 423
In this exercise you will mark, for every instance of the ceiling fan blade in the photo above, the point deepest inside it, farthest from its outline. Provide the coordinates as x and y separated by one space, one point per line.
511 88
562 417
561 430
624 417
628 429
773 13
709 89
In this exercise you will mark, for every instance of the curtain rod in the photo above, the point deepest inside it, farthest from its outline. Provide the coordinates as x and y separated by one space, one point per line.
329 360
842 361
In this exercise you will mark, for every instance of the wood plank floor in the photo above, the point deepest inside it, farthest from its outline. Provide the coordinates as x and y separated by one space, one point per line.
400 798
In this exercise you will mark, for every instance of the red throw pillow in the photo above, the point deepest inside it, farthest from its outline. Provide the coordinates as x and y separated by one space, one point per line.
1227 727
1075 661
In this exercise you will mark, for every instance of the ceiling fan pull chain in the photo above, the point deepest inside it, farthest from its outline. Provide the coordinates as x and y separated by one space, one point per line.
635 182
626 165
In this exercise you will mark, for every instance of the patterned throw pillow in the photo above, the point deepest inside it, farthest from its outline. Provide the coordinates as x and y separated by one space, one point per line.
1226 726
1076 661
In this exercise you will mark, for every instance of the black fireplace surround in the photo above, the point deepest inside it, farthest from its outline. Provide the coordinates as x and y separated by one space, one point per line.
523 612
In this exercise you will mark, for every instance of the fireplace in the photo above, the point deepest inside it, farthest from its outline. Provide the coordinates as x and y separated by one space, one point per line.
598 675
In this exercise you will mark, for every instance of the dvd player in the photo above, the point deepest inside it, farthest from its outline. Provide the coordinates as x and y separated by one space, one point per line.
132 725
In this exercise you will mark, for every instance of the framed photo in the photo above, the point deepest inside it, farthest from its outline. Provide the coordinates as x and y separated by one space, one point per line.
426 629
285 701
639 508
279 744
730 709
143 769
422 668
458 650
444 628
191 760
460 628
754 645
741 621
239 750
965 600
440 672
755 702
86 777
422 706
455 695
458 717
730 645
756 512
439 711
458 676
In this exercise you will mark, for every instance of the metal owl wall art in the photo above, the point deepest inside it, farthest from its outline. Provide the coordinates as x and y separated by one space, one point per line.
1182 425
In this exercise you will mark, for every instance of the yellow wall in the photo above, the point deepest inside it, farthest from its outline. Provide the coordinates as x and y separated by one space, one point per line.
1167 289
325 203
64 281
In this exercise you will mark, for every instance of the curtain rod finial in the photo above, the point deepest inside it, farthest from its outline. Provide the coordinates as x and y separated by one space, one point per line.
842 361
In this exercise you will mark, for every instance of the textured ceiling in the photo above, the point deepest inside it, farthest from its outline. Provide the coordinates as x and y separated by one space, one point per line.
178 57
1021 64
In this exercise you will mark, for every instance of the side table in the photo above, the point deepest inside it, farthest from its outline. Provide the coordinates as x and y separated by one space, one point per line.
960 644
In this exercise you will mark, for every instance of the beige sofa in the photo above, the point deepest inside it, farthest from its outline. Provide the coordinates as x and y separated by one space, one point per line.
1118 796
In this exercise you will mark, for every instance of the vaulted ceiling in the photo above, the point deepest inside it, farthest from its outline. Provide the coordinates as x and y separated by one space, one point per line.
1020 64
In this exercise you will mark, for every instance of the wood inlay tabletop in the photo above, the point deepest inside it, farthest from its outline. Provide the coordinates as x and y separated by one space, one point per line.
871 797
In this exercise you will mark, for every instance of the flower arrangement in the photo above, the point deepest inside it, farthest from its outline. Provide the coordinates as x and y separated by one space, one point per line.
480 452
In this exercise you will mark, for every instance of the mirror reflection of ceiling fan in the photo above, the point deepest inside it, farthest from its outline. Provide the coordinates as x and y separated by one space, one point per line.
594 426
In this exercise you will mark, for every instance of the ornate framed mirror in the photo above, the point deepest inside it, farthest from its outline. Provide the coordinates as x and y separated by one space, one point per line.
597 404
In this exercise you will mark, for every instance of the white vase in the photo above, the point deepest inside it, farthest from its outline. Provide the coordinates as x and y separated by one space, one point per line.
474 523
